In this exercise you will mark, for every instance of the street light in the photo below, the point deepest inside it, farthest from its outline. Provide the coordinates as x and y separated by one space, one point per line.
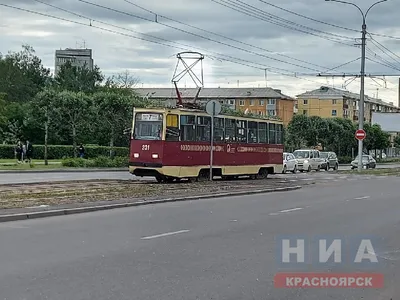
363 44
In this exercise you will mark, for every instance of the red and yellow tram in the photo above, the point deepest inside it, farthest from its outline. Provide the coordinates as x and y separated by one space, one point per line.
172 144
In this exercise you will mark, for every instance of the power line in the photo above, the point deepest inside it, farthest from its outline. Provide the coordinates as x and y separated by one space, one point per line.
376 42
285 20
197 35
308 18
385 35
181 44
384 61
264 18
167 45
220 35
383 64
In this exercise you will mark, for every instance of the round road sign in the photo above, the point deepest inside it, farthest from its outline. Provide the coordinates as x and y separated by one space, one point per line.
360 134
213 108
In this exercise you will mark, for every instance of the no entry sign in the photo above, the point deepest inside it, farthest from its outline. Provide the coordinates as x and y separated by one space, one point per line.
360 134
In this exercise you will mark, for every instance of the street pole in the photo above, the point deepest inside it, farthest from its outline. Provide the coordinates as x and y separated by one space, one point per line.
362 90
212 142
361 110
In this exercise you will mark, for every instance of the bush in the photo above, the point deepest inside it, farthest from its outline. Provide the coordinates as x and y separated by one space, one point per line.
345 159
61 152
98 162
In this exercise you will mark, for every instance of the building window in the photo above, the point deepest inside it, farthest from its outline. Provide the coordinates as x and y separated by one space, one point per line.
334 113
261 102
305 102
304 112
260 113
251 102
272 101
231 102
333 102
272 112
241 102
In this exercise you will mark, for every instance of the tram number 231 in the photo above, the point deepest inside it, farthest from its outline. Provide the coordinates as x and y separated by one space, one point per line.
145 147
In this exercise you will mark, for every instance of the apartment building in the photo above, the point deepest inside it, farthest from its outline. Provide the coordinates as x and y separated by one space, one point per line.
77 57
261 101
328 102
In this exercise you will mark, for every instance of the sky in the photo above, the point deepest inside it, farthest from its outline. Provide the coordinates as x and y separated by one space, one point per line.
281 44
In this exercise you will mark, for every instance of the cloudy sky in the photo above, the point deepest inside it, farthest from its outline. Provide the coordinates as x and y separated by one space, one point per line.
292 39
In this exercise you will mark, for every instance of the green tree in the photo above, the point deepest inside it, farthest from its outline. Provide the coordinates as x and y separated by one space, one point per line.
43 111
74 110
78 79
297 131
22 75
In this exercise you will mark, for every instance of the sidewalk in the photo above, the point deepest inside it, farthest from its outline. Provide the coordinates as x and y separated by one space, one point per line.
65 170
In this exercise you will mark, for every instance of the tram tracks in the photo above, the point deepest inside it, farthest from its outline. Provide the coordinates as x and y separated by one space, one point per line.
80 192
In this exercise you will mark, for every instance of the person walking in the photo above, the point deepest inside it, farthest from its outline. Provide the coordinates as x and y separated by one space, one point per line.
81 151
29 151
19 152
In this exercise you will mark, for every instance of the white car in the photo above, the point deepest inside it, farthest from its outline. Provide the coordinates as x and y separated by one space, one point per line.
289 163
308 159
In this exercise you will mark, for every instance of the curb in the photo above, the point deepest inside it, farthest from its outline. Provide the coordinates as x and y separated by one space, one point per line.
65 171
70 211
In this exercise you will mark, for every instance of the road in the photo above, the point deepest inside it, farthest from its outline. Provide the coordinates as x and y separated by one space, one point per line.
10 178
213 249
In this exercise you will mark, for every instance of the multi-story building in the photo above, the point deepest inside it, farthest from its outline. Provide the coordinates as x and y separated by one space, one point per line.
77 57
262 101
328 102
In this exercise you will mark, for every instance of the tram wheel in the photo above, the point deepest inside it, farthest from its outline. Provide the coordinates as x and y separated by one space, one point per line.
262 174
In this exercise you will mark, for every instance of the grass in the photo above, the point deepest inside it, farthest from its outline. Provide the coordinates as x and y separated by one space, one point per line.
11 164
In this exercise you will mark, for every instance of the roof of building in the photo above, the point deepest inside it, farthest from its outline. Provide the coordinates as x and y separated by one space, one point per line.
329 93
224 93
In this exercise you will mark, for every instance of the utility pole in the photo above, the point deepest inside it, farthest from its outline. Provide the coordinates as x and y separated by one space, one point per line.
363 46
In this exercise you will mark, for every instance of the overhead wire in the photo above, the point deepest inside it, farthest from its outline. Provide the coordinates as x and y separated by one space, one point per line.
383 60
264 18
197 35
234 60
380 46
219 35
308 18
280 19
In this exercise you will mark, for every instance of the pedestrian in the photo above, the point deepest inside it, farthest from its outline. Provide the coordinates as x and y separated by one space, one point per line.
19 152
23 156
81 151
29 151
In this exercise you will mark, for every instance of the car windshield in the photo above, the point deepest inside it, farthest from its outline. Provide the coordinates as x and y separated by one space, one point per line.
148 126
323 154
301 154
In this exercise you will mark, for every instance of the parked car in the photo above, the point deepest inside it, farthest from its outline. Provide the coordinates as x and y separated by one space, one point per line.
307 160
367 162
289 163
329 160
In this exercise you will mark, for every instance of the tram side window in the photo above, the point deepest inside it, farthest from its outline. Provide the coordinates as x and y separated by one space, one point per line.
272 134
188 128
252 133
262 132
279 133
203 129
219 129
241 131
230 130
172 130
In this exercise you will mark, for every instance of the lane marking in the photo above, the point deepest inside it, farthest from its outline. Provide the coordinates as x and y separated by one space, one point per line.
163 234
361 198
290 210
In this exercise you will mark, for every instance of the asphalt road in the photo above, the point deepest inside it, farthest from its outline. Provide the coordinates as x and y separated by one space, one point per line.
10 178
213 249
